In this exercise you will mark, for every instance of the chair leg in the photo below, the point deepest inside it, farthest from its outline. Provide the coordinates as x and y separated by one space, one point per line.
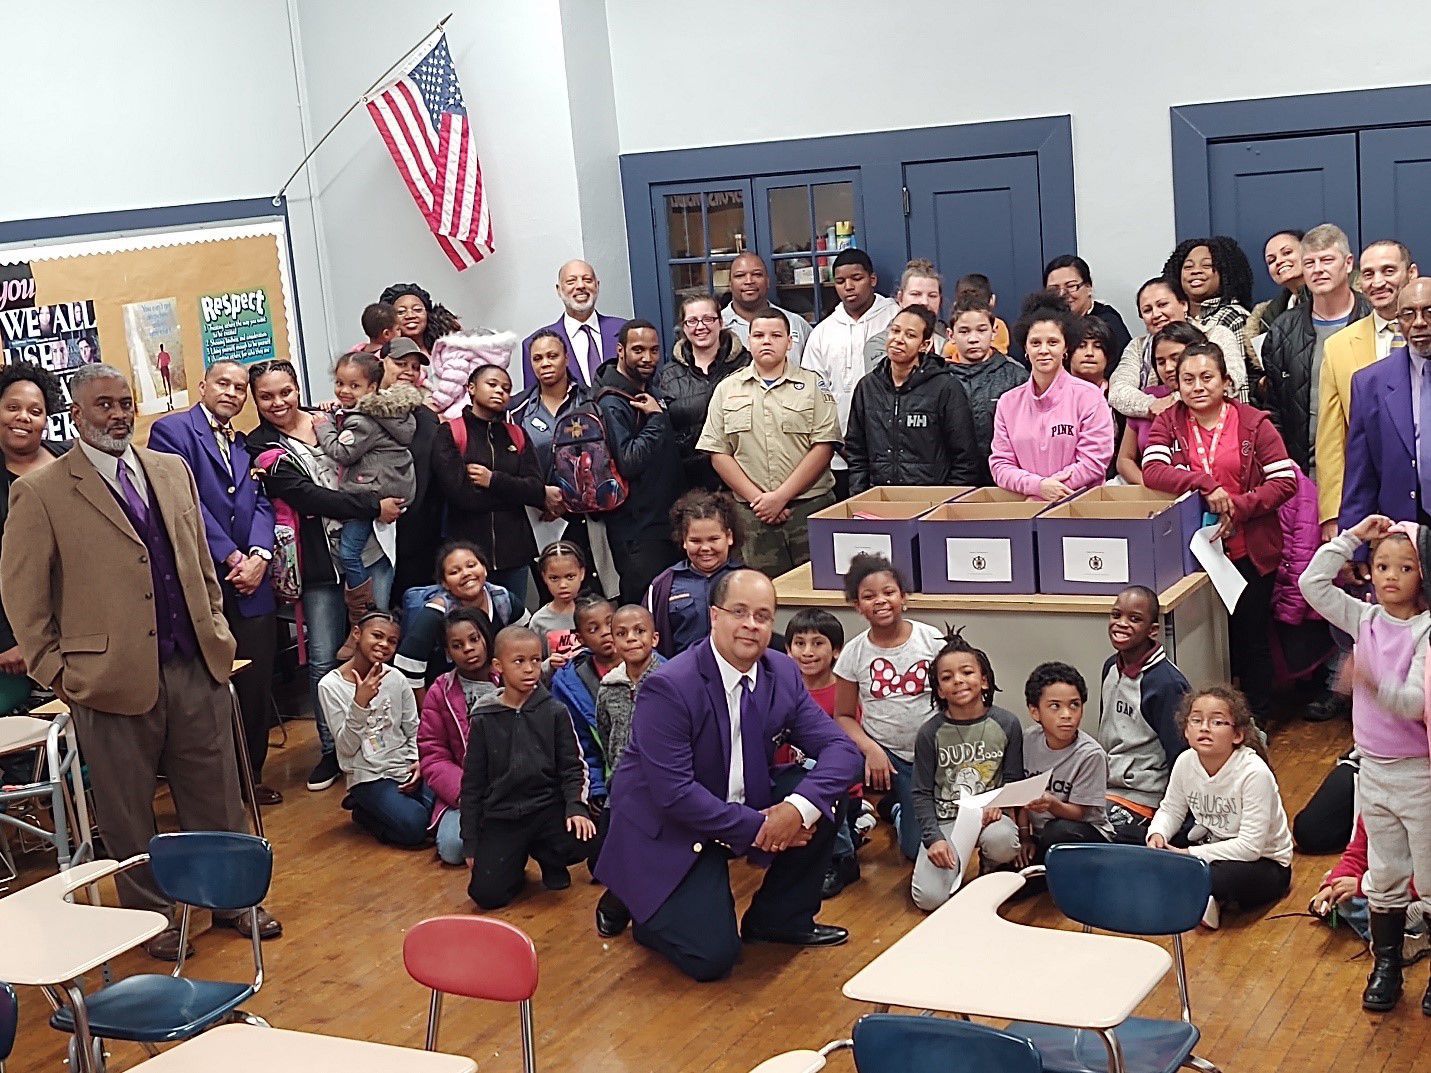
434 1020
251 1019
529 1039
1202 1065
1115 1051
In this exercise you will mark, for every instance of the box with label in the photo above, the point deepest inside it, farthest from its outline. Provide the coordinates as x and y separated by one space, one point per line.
1107 538
980 543
880 521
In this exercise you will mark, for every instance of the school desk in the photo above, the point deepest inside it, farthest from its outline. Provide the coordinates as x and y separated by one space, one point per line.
248 1048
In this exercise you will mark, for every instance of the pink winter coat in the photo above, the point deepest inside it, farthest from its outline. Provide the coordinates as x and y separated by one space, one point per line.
1301 536
442 742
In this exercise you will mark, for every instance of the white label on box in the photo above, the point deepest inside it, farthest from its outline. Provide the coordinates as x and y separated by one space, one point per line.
848 545
979 560
1099 560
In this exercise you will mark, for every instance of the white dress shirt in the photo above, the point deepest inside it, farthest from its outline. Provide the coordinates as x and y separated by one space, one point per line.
731 680
1385 331
581 345
108 466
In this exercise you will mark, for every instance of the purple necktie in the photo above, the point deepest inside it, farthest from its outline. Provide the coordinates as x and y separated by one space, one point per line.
593 353
137 506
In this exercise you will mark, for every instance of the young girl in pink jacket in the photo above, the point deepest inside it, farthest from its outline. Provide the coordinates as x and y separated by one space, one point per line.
446 714
1053 435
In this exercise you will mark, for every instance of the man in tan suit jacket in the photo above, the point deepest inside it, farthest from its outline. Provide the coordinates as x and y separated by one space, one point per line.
111 591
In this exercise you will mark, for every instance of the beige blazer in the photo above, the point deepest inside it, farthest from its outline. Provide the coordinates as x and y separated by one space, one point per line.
79 591
1347 353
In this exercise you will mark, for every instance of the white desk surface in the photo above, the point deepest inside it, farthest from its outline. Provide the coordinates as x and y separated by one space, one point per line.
246 1048
792 1062
22 732
965 958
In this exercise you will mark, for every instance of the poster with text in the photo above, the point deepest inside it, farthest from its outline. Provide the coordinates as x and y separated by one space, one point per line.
60 338
156 356
237 327
17 286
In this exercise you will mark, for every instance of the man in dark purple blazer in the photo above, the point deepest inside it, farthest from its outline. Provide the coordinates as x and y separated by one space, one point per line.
238 521
698 786
590 336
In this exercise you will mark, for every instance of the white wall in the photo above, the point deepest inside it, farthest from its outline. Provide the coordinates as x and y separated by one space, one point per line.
689 75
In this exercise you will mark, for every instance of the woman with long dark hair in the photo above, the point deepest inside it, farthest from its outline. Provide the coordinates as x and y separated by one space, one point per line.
419 318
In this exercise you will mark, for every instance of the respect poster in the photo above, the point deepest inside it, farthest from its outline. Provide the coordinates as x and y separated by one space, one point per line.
60 338
156 356
237 326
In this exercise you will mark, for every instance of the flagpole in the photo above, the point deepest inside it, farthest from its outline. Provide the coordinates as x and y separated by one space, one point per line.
278 197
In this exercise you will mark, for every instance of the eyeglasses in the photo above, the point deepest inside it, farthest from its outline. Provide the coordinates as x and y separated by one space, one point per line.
1069 288
760 616
696 322
1209 724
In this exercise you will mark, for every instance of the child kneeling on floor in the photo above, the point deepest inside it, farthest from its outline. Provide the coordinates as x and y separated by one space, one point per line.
524 783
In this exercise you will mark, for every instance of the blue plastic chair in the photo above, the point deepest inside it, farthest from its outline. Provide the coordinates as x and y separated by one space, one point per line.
9 1022
216 870
1136 891
899 1043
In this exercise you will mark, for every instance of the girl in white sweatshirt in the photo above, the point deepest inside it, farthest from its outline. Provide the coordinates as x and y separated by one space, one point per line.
1224 780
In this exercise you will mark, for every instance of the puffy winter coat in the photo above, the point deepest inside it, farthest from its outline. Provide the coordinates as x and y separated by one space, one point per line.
442 731
371 442
1301 536
453 359
576 686
984 383
919 433
1287 359
687 393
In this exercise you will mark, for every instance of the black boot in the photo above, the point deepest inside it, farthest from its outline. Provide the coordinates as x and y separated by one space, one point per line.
1383 986
1426 1000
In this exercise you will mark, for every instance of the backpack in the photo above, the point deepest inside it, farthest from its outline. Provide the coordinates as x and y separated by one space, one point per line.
285 571
583 465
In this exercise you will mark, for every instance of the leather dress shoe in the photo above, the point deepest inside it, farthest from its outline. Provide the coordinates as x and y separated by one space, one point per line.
611 916
268 927
165 945
267 795
819 935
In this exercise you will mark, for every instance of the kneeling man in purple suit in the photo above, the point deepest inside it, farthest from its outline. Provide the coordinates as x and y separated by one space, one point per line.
698 785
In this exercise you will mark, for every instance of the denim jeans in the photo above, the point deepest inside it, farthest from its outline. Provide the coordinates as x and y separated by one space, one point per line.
390 815
906 824
449 837
352 540
325 620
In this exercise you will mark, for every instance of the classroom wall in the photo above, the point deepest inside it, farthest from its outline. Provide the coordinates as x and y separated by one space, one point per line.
775 69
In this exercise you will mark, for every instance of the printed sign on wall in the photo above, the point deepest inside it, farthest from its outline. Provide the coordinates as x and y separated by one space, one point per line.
237 326
60 338
156 355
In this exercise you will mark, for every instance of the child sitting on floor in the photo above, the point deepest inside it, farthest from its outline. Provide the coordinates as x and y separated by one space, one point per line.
1224 780
446 713
524 786
372 715
1342 899
578 681
967 747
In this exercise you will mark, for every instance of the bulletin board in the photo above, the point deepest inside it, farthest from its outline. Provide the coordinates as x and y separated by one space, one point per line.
160 295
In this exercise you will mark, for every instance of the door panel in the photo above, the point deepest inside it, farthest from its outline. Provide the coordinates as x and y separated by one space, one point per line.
1396 188
979 215
1257 187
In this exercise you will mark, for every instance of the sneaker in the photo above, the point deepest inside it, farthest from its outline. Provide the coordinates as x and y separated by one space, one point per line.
1416 942
556 878
325 774
865 822
1211 917
843 871
894 817
1332 706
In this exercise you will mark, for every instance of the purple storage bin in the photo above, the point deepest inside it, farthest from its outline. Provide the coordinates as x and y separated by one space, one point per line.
979 544
836 535
1107 538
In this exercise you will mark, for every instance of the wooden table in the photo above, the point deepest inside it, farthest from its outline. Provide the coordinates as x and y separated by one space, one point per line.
249 1049
1020 632
964 958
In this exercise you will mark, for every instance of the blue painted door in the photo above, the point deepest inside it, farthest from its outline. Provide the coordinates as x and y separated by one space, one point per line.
1396 188
979 215
1260 186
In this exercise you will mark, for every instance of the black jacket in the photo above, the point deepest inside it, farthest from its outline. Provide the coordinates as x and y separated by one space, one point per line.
1121 338
56 448
646 452
687 392
494 517
984 383
519 763
919 433
419 529
1287 360
287 477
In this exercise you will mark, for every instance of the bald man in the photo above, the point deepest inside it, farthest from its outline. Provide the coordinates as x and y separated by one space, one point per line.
590 336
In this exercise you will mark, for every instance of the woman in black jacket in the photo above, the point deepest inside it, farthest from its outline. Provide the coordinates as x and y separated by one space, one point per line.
705 355
910 421
489 475
297 473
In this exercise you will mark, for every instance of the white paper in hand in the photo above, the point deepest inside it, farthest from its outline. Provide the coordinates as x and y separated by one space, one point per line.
1225 577
969 820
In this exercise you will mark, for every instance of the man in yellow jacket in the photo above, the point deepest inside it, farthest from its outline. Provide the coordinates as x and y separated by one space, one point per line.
1386 266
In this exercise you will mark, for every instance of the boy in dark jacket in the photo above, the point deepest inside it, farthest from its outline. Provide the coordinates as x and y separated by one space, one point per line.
910 421
524 786
984 373
576 685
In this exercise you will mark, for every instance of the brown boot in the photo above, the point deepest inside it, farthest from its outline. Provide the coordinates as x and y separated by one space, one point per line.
360 602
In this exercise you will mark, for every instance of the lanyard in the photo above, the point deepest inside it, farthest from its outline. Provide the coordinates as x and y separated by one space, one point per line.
1206 455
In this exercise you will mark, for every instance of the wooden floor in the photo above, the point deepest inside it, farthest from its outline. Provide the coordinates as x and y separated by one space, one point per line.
1270 995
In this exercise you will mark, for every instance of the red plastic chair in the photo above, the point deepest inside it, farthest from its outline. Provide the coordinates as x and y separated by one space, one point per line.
476 957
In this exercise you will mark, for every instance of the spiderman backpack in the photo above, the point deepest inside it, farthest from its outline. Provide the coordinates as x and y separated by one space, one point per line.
582 464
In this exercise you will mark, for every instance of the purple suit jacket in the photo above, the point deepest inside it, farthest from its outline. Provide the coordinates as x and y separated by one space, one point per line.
607 328
669 796
1381 444
237 515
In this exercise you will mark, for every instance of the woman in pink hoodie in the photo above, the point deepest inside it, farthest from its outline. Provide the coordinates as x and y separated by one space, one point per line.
442 729
1053 435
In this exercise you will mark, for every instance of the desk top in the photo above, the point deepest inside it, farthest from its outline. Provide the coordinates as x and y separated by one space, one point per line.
244 1048
965 958
792 1062
796 589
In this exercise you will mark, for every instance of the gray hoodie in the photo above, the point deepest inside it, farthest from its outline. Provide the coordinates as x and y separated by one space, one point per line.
371 443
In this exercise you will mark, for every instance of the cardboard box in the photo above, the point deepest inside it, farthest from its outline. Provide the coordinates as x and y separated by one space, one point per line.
981 543
837 536
1107 538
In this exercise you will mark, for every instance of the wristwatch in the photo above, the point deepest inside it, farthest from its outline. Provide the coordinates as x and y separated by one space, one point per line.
262 553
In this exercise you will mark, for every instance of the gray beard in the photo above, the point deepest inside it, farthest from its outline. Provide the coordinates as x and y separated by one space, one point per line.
102 441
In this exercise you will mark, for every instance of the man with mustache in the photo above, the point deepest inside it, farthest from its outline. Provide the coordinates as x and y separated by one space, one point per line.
749 294
590 336
116 606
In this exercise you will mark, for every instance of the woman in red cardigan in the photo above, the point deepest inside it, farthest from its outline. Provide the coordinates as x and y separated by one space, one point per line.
1231 453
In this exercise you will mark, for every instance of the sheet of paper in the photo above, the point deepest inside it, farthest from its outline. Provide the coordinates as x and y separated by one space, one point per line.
545 532
1013 794
1097 560
1225 578
848 545
386 535
979 559
969 820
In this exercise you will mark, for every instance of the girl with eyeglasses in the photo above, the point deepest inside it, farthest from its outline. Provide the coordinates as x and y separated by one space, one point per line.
704 355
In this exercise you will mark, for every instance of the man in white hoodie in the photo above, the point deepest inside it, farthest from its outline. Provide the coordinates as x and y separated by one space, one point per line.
835 350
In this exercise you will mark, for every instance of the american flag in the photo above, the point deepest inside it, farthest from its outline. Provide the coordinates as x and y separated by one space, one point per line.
423 121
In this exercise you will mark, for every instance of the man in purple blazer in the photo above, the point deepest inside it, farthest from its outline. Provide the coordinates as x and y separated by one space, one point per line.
1388 465
238 521
698 786
590 336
